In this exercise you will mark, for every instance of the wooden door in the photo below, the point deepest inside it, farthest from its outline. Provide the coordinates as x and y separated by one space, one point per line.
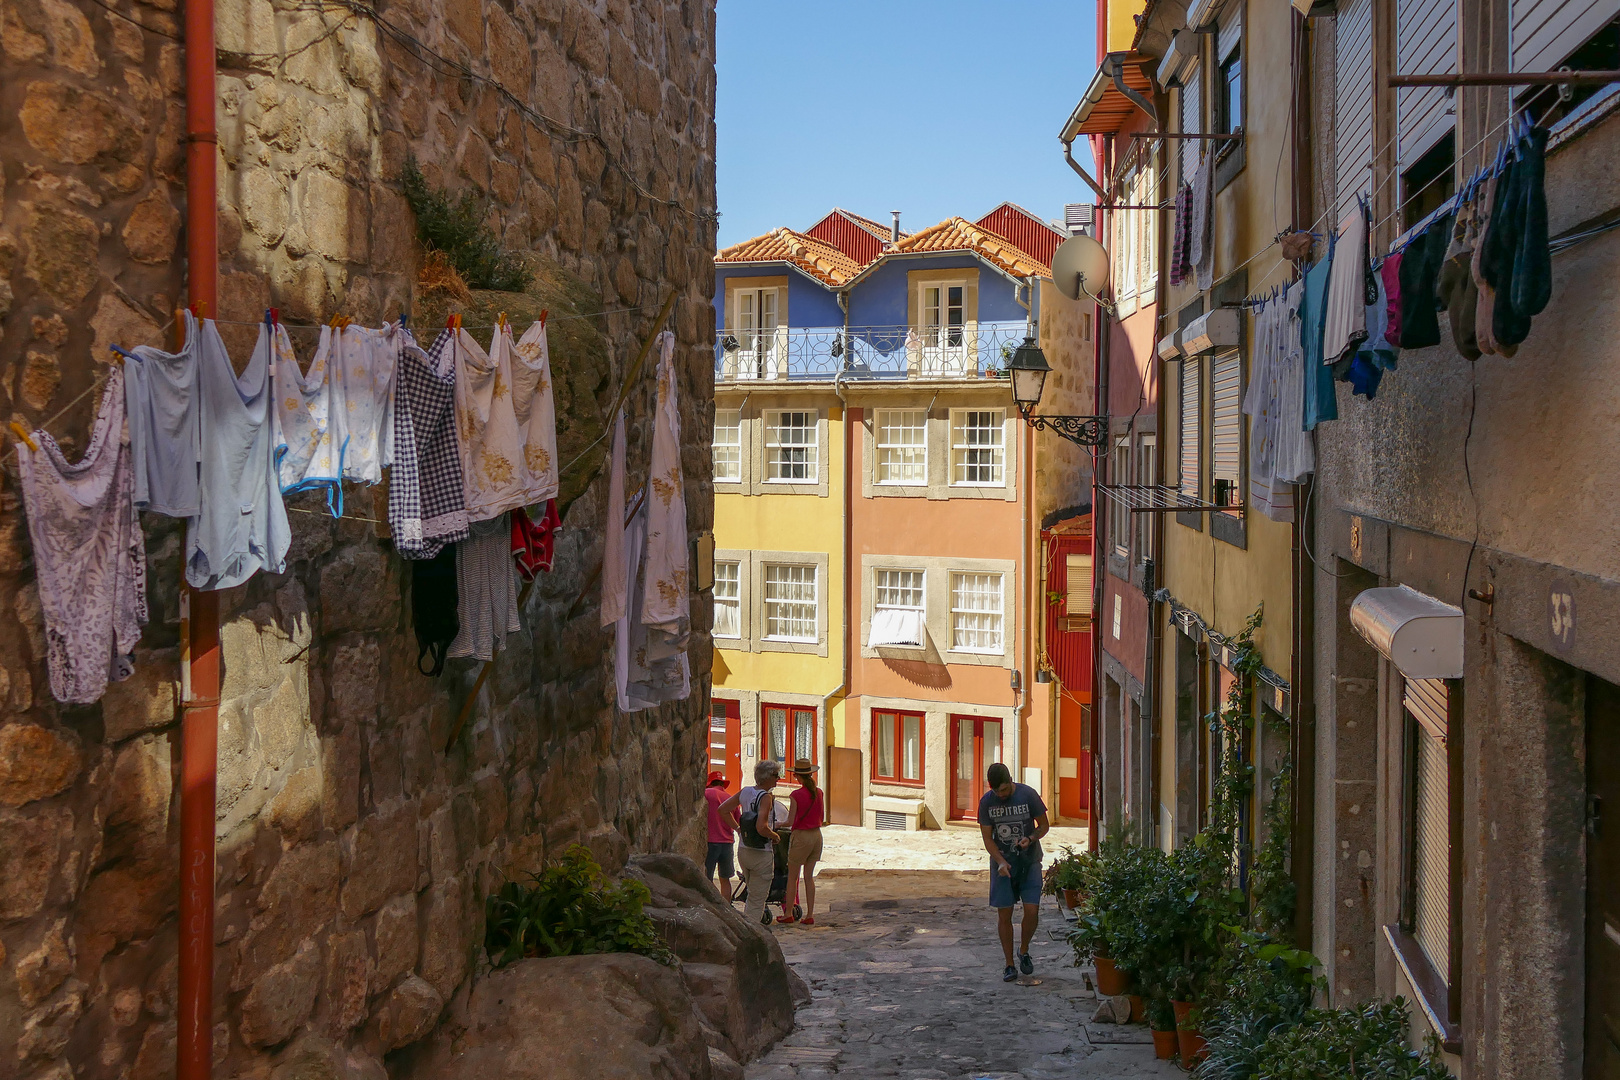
975 746
790 736
1602 880
1074 757
725 741
843 786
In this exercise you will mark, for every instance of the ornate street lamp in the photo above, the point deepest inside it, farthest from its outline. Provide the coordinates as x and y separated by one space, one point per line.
1029 369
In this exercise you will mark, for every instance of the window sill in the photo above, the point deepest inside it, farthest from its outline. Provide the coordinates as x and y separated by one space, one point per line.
892 782
1229 166
1434 996
768 640
1229 528
791 483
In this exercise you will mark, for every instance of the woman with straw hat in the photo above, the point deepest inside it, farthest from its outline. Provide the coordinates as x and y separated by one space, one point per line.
809 813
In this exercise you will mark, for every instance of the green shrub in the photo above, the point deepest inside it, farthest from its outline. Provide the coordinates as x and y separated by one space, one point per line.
1368 1043
570 909
1068 871
1264 986
456 227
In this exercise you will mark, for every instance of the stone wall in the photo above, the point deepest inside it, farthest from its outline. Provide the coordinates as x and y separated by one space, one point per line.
354 851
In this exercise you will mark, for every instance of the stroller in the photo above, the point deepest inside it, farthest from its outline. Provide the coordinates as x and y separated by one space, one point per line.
779 877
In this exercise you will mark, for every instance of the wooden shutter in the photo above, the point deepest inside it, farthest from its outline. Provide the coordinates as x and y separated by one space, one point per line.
1077 599
1544 32
1425 44
1191 434
1353 101
1226 422
1427 703
1192 119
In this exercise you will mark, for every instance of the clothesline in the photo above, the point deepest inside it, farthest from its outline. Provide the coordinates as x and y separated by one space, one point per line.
464 326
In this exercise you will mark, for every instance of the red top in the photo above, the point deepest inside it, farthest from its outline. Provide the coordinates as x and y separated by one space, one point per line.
720 830
807 809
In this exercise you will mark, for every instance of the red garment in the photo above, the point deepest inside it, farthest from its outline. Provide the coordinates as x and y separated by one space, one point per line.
720 829
533 542
807 809
1391 273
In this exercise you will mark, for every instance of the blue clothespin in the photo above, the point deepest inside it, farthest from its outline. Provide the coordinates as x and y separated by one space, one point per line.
404 317
126 354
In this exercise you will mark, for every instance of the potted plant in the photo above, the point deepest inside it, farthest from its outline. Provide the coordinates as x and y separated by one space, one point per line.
1066 877
1162 1021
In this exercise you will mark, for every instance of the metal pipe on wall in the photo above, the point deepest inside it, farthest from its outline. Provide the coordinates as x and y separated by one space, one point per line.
1099 459
199 728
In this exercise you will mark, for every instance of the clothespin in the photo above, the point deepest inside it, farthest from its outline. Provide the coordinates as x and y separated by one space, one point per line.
404 317
543 313
22 434
500 321
122 354
457 319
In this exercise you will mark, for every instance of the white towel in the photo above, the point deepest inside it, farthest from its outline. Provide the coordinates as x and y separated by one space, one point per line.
536 413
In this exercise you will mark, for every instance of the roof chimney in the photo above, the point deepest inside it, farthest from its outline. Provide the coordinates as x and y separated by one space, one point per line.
894 233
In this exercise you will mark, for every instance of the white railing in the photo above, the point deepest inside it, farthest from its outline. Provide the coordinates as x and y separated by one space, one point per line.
968 351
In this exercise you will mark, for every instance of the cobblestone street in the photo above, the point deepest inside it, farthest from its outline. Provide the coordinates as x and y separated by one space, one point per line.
905 970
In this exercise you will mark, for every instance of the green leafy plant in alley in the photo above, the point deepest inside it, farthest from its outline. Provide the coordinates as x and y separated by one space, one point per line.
569 908
1366 1043
456 226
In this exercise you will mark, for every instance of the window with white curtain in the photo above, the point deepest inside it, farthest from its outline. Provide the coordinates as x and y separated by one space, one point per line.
790 602
727 445
897 608
902 446
978 450
976 613
790 447
727 600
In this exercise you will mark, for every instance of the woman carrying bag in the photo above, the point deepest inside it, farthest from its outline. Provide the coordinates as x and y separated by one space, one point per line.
809 813
755 859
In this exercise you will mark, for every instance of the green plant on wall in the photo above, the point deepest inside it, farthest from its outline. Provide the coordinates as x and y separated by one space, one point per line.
1272 884
456 226
570 909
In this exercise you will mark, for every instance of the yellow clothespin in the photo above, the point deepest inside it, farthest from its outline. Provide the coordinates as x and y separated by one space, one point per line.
22 434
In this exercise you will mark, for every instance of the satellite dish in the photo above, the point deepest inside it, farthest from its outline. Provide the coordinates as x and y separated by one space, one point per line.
1080 263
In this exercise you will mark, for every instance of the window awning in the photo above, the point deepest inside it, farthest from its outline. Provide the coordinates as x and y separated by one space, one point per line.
1103 110
1420 635
895 626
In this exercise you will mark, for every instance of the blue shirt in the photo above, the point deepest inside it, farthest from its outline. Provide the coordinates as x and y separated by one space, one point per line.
1012 818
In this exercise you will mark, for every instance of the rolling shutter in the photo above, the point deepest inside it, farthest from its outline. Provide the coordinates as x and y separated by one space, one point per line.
1353 101
1226 424
1192 120
1077 586
1425 44
1544 32
1427 702
1229 34
1190 435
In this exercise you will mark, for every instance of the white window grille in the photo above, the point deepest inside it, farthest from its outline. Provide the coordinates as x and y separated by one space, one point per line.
790 603
976 612
761 345
727 445
727 600
902 446
944 329
897 611
790 447
978 451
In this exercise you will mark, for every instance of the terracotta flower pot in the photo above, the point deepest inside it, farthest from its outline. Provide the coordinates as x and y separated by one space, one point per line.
1182 1009
1164 1045
1138 1009
1071 898
1111 982
1193 1047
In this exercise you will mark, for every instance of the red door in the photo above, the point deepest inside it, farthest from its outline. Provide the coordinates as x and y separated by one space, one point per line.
790 736
725 741
1074 758
975 746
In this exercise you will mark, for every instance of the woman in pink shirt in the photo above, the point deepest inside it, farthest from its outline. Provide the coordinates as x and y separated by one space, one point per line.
722 835
809 813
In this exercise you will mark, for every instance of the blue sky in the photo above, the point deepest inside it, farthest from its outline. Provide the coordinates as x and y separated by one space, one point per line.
931 108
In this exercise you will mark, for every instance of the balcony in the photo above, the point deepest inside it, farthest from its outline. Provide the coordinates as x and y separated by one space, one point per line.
796 354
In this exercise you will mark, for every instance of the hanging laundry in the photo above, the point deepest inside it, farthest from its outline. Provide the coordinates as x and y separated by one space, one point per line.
494 463
1264 405
1374 356
536 413
1517 261
615 561
1201 245
1420 278
427 506
364 363
1296 456
1390 272
486 590
1320 398
165 426
534 542
89 554
666 606
1181 245
1485 304
242 525
308 458
1457 289
433 608
1344 321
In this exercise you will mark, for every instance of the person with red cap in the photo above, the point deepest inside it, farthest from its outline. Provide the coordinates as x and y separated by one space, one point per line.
722 835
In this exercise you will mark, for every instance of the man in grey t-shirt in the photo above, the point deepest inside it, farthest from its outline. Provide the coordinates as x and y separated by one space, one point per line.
1013 819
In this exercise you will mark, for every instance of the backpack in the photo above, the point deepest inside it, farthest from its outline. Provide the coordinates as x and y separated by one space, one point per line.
748 823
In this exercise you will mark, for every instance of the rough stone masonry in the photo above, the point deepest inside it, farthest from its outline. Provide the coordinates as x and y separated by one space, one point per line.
354 852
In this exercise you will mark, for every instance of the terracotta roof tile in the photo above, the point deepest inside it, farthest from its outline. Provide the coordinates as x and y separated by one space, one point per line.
959 234
815 257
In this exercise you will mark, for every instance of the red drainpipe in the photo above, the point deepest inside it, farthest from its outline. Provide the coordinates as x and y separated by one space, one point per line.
199 729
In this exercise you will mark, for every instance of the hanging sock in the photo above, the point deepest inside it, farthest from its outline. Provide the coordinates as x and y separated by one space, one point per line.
89 554
1532 259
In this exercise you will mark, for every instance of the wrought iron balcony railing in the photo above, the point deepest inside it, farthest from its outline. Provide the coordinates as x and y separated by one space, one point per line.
968 351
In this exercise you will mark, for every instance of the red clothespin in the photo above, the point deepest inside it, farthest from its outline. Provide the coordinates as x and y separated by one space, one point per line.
543 313
275 316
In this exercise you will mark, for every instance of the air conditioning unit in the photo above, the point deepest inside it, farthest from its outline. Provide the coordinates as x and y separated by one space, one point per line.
1218 329
1079 217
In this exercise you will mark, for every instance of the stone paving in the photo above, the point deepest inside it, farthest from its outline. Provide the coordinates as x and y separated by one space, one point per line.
952 848
905 970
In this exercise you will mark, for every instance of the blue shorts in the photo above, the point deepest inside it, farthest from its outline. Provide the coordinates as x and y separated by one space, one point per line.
720 858
1003 893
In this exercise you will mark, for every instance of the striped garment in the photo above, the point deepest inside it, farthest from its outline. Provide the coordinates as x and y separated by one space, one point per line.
486 590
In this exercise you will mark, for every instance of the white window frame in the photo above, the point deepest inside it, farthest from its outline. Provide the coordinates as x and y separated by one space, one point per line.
728 596
986 584
773 444
734 425
1146 460
898 592
881 427
807 577
1120 472
761 352
939 354
960 449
